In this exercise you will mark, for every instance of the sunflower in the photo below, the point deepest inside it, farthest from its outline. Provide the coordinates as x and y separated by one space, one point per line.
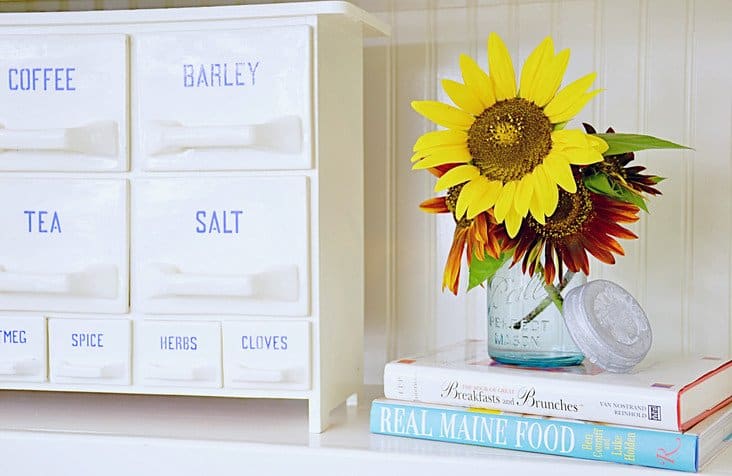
584 221
616 168
477 236
507 146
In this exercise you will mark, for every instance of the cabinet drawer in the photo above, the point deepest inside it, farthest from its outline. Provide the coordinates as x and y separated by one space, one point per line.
178 353
64 245
64 102
89 351
223 100
221 246
22 349
266 354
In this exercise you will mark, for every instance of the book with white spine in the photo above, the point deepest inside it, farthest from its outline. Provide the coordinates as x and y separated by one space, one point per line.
666 395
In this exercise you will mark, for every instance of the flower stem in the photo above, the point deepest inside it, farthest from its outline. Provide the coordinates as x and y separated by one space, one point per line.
553 296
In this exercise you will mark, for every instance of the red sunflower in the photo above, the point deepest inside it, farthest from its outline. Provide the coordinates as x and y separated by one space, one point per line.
584 221
476 237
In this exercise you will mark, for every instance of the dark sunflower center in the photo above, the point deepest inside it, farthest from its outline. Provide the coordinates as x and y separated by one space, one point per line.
509 139
573 211
451 203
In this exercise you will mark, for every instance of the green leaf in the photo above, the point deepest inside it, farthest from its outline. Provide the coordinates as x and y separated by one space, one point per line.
622 143
480 271
560 126
604 185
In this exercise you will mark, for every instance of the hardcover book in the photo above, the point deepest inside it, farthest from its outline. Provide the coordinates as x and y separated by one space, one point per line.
687 451
667 395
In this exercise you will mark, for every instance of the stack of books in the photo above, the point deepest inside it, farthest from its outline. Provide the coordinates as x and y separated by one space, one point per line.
674 414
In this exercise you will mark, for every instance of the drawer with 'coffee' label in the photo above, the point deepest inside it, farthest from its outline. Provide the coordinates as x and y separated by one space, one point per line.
64 102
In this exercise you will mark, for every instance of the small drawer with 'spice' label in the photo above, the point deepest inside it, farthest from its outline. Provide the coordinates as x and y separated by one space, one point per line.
90 351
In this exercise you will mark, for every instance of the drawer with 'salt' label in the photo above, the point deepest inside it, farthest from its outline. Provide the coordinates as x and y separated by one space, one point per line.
95 351
64 245
22 349
64 105
221 246
223 99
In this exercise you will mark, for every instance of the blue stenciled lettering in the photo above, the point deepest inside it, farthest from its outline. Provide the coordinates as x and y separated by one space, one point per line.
263 342
253 71
216 75
13 336
218 221
38 221
178 343
187 75
87 339
41 79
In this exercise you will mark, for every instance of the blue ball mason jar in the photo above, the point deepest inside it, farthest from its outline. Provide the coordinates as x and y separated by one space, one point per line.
519 332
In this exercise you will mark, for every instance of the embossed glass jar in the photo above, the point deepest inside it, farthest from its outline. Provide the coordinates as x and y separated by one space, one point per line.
520 332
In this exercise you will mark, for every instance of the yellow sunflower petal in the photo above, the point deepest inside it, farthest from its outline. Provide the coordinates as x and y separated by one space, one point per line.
536 61
477 80
440 138
547 188
459 155
504 202
551 79
487 200
513 223
569 138
524 192
501 68
456 176
463 97
537 209
569 95
597 144
577 156
470 191
444 115
560 171
575 109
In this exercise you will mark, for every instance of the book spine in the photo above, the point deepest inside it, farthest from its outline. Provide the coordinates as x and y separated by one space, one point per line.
575 439
519 392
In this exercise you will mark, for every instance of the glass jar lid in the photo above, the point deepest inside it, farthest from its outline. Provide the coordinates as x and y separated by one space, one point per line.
608 325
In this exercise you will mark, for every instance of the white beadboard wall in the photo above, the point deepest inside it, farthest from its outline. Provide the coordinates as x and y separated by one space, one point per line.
665 67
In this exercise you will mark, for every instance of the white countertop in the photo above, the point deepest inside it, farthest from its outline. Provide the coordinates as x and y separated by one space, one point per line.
97 434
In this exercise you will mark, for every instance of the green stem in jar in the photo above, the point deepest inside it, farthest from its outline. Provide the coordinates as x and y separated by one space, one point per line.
553 296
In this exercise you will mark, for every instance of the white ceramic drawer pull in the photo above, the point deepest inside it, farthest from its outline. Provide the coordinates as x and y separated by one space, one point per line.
280 135
248 374
177 373
82 370
93 281
97 138
281 284
27 366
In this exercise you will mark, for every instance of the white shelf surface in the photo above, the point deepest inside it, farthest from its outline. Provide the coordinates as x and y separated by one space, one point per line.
109 435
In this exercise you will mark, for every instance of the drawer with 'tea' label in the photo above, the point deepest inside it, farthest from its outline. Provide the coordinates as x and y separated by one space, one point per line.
64 245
